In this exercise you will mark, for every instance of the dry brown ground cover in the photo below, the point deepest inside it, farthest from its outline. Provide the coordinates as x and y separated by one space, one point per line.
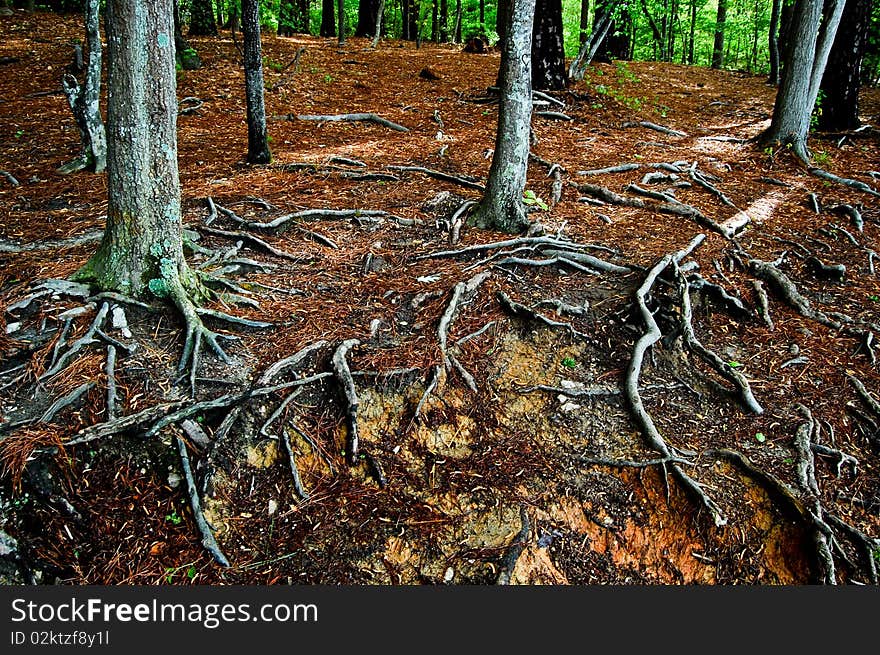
454 484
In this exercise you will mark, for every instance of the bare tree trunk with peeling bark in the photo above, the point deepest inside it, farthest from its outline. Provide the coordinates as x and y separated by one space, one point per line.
810 39
502 206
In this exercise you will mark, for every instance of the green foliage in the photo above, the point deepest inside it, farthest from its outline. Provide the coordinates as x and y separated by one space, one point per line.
759 437
174 518
530 199
569 362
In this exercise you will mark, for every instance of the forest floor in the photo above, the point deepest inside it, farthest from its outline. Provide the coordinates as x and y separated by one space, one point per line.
503 436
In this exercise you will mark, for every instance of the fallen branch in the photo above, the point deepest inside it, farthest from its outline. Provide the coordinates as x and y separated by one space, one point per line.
657 128
516 548
470 184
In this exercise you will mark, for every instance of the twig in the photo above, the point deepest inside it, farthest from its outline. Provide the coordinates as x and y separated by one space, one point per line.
516 548
109 370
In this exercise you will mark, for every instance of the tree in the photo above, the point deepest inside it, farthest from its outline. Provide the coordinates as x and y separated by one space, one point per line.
258 141
601 26
328 20
141 253
718 45
548 50
773 42
502 205
340 22
187 57
366 24
85 100
201 18
841 81
809 43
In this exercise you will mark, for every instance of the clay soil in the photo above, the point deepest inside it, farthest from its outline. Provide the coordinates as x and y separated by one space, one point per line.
465 475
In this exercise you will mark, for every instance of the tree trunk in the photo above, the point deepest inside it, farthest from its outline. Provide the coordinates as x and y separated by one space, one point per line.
548 52
328 19
380 12
444 21
718 45
841 81
340 22
502 205
366 25
773 42
85 101
601 26
142 249
258 141
692 33
804 65
201 19
456 32
584 32
186 55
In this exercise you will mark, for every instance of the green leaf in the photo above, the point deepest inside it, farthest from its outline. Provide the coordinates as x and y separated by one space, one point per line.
569 362
734 364
759 437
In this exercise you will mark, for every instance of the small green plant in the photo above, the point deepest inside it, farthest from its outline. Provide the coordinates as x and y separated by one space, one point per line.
759 437
530 199
822 157
174 518
569 362
19 134
276 66
817 111
328 79
734 364
875 298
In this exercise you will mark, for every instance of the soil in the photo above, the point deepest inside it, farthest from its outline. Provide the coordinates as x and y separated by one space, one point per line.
469 474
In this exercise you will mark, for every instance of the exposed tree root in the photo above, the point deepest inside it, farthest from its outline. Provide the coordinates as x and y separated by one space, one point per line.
516 548
720 366
470 184
346 382
657 128
631 388
367 117
853 184
208 541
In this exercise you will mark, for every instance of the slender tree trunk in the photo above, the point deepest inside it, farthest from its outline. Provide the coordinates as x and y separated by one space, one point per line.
548 52
718 46
456 33
435 21
590 47
841 81
258 141
584 33
187 57
380 11
502 205
340 22
201 19
444 21
142 250
805 63
692 32
773 42
328 18
85 101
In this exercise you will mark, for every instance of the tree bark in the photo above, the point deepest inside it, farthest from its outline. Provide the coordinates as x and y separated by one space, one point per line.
805 62
548 51
773 42
141 253
380 12
718 45
85 101
328 19
366 25
201 18
841 81
258 141
601 26
340 22
502 205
